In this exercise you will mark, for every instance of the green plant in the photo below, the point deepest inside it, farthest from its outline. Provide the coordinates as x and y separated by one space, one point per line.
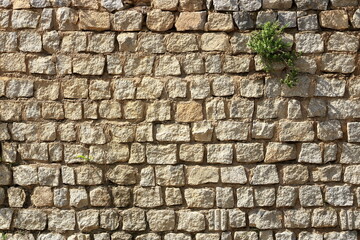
86 158
269 44
3 236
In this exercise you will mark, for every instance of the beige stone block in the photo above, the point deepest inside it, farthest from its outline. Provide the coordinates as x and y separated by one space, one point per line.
191 21
93 20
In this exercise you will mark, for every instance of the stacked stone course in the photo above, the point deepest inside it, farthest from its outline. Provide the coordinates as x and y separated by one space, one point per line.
159 123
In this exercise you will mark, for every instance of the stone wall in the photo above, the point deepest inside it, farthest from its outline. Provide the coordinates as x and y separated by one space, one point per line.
157 122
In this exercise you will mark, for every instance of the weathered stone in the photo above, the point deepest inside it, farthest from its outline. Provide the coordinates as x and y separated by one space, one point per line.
49 175
25 175
310 236
343 42
309 43
329 130
339 195
199 197
127 21
245 197
112 5
264 174
6 215
299 218
88 220
309 4
167 65
302 89
310 153
225 197
151 43
215 110
158 111
79 197
296 131
30 219
197 175
351 174
101 42
227 5
111 153
170 175
161 220
88 175
310 196
278 152
92 134
262 130
99 197
149 197
123 175
16 197
330 87
237 64
62 220
173 196
110 219
265 16
249 152
193 21
236 175
94 20
172 133
287 19
121 196
61 198
220 153
286 196
308 23
191 5
158 20
295 174
24 19
214 42
264 219
161 154
353 132
86 64
219 22
331 173
243 20
232 130
342 63
8 40
306 64
264 196
277 4
165 4
324 217
237 218
327 19
67 18
191 221
147 177
341 235
252 5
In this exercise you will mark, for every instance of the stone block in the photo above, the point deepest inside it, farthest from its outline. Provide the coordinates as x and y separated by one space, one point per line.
160 21
334 19
127 21
249 152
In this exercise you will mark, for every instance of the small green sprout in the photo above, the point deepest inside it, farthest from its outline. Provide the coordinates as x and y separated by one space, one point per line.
86 158
273 49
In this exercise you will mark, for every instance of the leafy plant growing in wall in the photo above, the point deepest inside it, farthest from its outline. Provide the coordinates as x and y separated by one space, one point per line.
271 48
